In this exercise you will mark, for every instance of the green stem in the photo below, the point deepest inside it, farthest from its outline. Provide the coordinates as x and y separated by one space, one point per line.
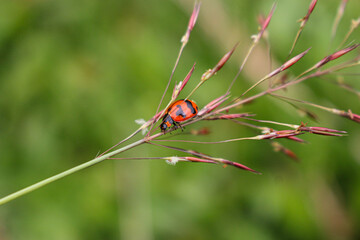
46 181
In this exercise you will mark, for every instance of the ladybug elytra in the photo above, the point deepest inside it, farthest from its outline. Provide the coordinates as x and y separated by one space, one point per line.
179 111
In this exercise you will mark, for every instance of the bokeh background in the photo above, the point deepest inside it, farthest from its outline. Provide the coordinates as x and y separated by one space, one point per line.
74 75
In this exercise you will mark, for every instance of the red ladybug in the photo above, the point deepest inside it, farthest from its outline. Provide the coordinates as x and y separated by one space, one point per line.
179 111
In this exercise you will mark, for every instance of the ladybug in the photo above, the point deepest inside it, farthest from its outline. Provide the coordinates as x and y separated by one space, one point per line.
179 111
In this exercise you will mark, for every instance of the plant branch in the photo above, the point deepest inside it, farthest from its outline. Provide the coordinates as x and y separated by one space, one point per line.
68 172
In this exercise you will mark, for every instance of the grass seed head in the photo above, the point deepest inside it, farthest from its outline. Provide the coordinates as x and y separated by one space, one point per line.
191 24
179 87
311 9
350 115
335 55
201 131
213 104
211 72
264 25
280 148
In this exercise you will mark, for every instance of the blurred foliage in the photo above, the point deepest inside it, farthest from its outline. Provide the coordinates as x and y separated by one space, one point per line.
74 75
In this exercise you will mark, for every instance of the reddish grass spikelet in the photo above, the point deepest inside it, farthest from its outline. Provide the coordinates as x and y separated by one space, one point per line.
220 160
261 19
224 59
215 161
289 134
294 60
200 157
213 104
289 153
194 159
350 115
187 78
267 130
283 67
288 63
302 24
230 116
311 9
300 130
201 131
279 134
325 133
280 148
334 56
342 52
192 22
194 16
211 72
296 139
321 130
238 165
264 25
178 88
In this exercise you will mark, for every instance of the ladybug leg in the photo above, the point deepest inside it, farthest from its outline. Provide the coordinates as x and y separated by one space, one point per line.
177 125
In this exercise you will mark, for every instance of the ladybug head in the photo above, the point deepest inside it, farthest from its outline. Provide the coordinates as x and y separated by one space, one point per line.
163 126
166 123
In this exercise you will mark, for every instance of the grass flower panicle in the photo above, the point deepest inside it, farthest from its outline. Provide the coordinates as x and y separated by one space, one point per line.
225 107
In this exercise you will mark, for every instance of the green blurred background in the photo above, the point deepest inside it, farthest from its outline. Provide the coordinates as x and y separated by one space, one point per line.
74 75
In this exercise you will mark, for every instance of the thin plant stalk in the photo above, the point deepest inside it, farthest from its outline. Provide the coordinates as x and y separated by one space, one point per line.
339 15
354 24
349 114
302 25
68 172
256 40
242 66
122 141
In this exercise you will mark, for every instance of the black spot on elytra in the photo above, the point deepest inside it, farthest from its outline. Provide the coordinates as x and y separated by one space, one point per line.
190 106
180 111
